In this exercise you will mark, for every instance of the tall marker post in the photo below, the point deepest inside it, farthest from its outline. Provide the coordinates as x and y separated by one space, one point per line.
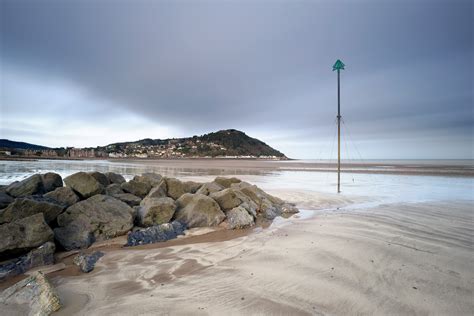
339 65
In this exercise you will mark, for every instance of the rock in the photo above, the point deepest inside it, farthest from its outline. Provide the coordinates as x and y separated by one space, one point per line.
51 181
137 188
98 218
153 179
41 256
113 189
159 190
23 235
63 195
29 186
87 262
5 200
230 198
33 296
175 187
84 184
27 206
226 182
155 211
115 177
210 187
238 217
191 186
198 210
128 198
100 177
157 233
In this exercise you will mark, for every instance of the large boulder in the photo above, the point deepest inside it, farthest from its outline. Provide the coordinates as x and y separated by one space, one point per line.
128 198
84 184
239 217
155 211
158 191
153 179
113 189
230 198
27 206
226 182
51 181
210 187
98 218
23 235
63 195
32 296
157 233
115 177
41 256
137 188
176 188
5 200
29 186
87 262
198 210
100 177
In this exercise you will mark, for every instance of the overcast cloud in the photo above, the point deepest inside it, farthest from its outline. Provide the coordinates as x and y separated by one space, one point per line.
88 73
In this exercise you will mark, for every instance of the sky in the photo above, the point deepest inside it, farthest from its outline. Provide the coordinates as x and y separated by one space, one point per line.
88 73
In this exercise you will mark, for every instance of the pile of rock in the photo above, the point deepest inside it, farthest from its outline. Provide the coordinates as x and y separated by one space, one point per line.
40 215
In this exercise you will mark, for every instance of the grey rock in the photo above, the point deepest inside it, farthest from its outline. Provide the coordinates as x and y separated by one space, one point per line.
226 182
100 177
198 210
41 256
176 188
87 262
210 187
23 235
230 198
98 218
155 211
5 200
33 296
157 233
115 177
159 190
137 188
128 198
29 186
191 186
113 189
239 218
153 179
63 195
84 184
27 206
51 181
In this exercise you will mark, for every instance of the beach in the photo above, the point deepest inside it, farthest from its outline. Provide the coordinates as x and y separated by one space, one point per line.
393 244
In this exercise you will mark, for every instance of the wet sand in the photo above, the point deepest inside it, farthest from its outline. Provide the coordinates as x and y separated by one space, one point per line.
391 259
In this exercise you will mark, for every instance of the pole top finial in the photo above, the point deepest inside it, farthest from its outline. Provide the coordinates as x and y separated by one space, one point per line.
338 65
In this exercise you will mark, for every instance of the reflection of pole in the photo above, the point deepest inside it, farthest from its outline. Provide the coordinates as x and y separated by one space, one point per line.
338 131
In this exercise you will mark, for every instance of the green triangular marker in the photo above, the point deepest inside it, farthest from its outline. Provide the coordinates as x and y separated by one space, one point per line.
338 65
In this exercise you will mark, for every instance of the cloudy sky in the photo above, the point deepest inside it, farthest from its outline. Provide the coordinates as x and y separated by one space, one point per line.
88 73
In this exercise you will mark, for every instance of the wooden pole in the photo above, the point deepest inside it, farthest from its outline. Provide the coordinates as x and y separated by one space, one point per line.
338 131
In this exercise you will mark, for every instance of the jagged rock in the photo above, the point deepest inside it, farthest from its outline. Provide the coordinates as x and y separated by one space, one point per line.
27 206
238 217
128 198
137 188
29 186
157 233
32 296
115 177
226 182
97 218
5 200
191 186
153 179
155 211
84 184
210 187
159 190
113 189
230 198
100 177
51 181
63 195
43 255
24 234
197 210
175 187
87 262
